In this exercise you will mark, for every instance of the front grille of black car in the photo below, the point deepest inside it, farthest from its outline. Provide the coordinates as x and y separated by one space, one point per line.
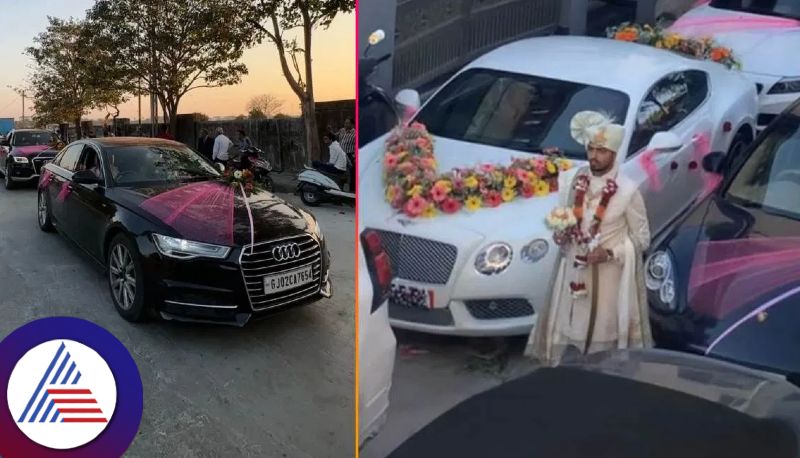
497 309
40 160
260 262
419 259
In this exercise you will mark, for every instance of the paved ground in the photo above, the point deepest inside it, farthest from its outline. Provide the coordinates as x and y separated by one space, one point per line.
279 388
434 373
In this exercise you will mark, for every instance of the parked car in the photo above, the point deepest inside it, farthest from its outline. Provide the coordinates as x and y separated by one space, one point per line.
174 239
623 404
376 342
668 103
23 153
763 35
725 282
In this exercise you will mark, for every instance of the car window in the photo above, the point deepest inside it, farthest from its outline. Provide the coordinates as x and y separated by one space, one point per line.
784 8
770 178
670 101
156 163
516 111
69 159
90 161
375 117
32 138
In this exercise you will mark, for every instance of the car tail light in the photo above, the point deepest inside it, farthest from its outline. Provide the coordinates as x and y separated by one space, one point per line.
379 266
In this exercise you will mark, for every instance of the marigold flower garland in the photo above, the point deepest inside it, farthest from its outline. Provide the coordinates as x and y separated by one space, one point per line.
704 48
414 186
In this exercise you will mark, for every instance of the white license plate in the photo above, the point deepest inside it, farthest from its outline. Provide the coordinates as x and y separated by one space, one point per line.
411 296
288 280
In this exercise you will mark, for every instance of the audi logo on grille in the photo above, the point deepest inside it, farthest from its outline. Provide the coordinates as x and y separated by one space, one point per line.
286 252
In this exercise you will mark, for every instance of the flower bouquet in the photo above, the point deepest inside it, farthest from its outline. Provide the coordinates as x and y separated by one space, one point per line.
243 179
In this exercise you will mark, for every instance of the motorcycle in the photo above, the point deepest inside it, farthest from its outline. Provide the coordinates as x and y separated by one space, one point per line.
251 158
316 186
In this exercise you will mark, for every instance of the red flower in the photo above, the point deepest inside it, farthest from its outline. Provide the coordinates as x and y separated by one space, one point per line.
415 206
493 199
451 205
438 193
528 191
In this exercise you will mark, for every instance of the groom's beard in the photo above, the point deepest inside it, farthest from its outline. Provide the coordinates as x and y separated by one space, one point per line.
599 170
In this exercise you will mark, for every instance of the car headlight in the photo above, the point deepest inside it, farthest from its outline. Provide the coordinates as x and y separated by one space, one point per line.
318 231
187 249
494 259
535 250
786 86
660 279
20 160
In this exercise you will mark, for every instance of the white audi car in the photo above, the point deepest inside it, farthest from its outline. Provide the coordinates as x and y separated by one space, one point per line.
512 102
764 35
375 337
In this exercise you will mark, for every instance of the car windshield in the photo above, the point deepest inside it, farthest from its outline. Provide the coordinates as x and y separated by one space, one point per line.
782 8
32 138
521 112
770 178
156 163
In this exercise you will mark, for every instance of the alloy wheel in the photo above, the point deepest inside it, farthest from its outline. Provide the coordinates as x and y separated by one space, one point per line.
122 274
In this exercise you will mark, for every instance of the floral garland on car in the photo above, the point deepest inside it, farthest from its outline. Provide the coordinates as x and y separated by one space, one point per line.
659 37
414 186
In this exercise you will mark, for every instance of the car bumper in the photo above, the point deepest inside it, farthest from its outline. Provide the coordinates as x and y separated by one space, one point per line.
214 291
769 105
458 320
22 172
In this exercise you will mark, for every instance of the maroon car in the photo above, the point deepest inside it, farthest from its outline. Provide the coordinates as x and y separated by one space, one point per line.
23 153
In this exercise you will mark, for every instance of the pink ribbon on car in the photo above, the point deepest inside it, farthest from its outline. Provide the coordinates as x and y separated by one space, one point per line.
708 26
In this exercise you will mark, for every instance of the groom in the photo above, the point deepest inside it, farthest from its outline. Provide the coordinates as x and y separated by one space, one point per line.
598 299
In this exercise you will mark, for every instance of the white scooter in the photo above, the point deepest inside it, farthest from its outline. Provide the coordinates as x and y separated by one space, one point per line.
316 186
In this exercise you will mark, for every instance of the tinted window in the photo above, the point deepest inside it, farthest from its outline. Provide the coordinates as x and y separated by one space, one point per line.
787 8
134 164
32 138
69 159
90 161
770 178
670 101
521 112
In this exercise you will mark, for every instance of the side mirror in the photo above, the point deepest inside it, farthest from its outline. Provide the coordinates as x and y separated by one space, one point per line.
409 99
85 177
713 162
665 142
5 142
219 166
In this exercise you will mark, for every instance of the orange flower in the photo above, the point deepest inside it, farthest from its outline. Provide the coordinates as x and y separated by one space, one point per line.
626 35
719 54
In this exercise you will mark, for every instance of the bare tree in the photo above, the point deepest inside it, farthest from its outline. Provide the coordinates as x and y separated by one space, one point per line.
264 106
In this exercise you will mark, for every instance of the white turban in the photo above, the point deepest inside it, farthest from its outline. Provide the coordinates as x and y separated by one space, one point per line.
592 127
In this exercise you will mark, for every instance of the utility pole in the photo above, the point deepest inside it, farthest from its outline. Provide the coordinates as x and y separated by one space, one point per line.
22 93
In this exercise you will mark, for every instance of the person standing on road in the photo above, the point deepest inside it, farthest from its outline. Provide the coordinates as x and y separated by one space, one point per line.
347 139
244 140
337 162
221 146
598 300
205 145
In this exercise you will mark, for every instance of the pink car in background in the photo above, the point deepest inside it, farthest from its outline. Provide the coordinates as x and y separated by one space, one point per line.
23 153
764 35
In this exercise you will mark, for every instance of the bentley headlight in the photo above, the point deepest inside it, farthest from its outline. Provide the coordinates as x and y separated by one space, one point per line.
187 249
660 279
494 259
786 86
535 250
20 160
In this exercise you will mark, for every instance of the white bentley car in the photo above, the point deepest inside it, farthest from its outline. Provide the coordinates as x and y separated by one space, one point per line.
512 102
764 35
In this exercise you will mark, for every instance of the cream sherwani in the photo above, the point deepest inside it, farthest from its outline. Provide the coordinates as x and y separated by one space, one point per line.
614 312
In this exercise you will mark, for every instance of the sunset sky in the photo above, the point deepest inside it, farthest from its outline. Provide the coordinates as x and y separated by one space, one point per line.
333 52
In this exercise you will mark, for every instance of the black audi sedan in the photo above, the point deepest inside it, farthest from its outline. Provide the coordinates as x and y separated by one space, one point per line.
175 239
726 282
23 152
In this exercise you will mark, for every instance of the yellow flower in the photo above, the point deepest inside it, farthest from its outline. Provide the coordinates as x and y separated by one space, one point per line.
510 182
551 168
508 194
415 191
430 211
498 176
542 188
532 177
390 193
473 203
471 182
445 184
565 164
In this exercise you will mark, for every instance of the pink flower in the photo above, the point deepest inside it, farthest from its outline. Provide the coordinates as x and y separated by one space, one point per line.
527 191
493 199
522 175
429 175
438 193
417 126
415 206
451 205
487 168
390 161
458 184
423 142
540 165
429 163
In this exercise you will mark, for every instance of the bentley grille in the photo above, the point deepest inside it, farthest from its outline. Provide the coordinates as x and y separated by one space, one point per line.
276 257
419 259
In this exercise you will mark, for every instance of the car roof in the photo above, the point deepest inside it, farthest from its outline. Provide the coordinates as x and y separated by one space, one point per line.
30 130
110 142
604 62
